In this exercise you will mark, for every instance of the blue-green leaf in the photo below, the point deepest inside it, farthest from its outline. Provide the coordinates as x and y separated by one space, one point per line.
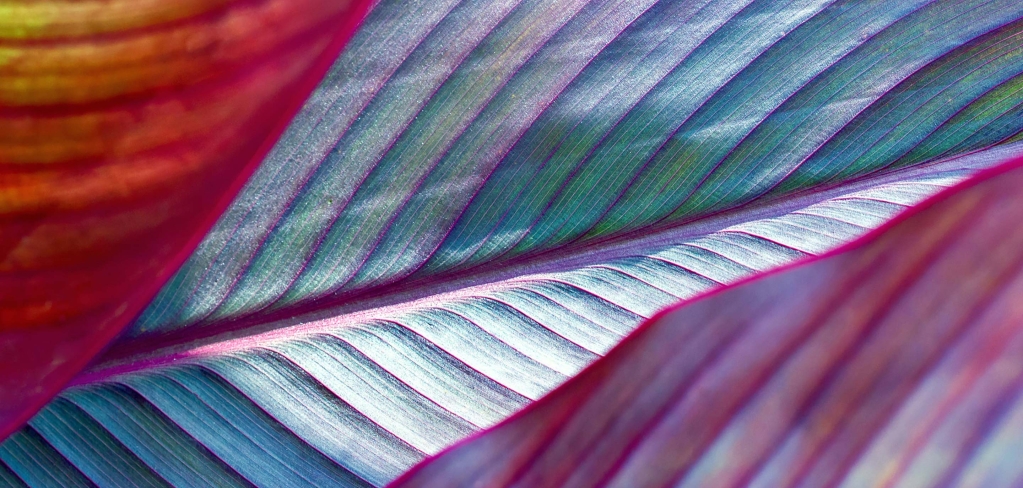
467 136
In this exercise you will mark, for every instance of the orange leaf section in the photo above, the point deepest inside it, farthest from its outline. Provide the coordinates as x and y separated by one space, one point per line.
125 128
896 361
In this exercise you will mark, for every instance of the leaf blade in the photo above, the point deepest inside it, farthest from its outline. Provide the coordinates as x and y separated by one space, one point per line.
598 97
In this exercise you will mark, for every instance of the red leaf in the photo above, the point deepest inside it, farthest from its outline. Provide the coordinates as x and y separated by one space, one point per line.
125 128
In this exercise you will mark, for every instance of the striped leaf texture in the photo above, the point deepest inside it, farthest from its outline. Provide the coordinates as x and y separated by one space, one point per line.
482 198
126 127
896 362
458 136
357 399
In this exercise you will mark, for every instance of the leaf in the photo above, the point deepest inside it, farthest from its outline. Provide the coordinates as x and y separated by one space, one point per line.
896 360
484 197
125 128
359 398
474 136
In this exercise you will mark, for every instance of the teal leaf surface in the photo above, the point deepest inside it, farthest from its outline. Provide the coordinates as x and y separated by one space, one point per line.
483 198
459 136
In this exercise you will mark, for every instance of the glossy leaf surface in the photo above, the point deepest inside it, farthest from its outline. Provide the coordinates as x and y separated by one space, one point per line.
125 128
896 362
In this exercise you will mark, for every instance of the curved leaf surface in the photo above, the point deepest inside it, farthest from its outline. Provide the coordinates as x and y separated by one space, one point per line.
897 361
360 397
484 197
478 135
125 128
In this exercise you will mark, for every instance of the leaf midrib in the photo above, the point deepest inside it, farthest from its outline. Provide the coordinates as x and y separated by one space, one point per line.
224 337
